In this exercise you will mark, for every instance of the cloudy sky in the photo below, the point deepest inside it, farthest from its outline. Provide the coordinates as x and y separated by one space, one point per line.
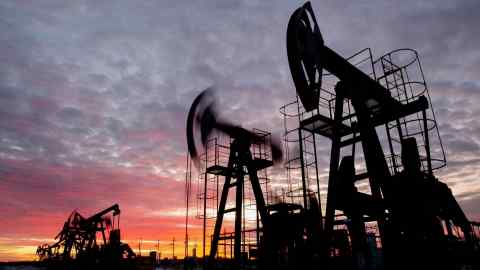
94 96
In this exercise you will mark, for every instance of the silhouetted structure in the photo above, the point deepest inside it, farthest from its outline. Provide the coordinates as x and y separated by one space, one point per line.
240 163
354 101
83 242
384 208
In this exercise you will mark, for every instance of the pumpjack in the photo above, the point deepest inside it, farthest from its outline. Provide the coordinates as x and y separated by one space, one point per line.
83 241
411 229
283 225
203 117
417 219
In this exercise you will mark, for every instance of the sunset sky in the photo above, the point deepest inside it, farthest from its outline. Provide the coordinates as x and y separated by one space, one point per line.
94 96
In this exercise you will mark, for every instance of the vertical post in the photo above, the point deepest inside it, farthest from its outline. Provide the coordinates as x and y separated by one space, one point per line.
187 193
205 206
318 181
217 162
158 251
258 230
427 142
238 215
390 146
302 165
334 160
103 234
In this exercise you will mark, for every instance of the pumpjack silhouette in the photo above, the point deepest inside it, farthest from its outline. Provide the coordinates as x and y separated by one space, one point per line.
77 246
416 221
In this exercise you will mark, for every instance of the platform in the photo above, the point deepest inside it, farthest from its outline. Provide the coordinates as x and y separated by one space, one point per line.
259 164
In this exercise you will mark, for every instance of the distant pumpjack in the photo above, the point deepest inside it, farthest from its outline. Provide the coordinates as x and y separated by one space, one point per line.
77 241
